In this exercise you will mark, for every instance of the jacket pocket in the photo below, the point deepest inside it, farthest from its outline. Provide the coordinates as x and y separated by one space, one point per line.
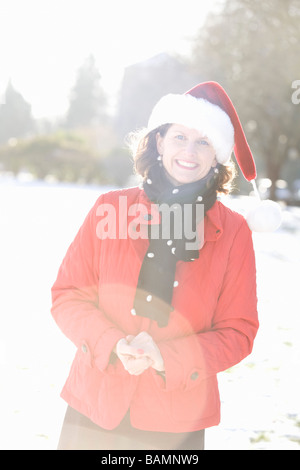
197 403
106 394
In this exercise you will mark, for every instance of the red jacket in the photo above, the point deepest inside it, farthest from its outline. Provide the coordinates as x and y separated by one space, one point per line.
212 327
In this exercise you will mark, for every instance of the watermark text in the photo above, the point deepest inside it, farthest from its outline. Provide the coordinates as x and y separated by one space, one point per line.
296 95
160 221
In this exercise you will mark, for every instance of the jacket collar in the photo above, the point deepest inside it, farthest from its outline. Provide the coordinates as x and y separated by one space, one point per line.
213 228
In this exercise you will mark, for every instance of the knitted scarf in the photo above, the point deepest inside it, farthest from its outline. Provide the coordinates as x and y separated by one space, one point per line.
156 280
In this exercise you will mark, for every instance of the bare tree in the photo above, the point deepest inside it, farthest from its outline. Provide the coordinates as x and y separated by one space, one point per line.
252 48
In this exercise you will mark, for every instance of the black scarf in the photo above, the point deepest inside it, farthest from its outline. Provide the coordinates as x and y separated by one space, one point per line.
168 241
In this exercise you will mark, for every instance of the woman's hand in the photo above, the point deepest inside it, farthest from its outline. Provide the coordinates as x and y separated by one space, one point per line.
138 353
132 358
145 346
144 342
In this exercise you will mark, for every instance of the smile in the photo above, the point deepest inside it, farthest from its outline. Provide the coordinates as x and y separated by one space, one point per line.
185 164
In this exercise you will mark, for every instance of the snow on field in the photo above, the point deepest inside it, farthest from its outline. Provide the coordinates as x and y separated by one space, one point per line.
260 396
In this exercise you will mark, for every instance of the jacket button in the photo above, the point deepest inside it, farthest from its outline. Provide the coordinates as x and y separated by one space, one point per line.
84 348
194 376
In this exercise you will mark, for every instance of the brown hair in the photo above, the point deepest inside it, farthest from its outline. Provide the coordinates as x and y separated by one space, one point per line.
144 151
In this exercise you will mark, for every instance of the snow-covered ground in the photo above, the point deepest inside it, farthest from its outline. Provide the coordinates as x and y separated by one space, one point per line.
260 396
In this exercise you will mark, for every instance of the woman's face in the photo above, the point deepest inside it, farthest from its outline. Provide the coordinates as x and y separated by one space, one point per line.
187 155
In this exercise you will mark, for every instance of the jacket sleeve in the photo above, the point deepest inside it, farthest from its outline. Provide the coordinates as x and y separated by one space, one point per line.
75 298
235 324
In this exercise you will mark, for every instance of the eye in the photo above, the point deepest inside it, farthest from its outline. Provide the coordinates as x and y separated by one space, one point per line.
203 142
179 137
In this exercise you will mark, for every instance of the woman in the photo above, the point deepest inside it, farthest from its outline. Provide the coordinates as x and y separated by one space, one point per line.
158 289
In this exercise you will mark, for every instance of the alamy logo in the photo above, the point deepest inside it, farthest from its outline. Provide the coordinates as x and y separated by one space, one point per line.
131 221
296 94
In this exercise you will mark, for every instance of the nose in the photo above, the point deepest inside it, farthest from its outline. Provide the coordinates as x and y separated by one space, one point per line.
190 149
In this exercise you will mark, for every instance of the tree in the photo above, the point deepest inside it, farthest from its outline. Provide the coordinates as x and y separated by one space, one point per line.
15 115
87 101
251 48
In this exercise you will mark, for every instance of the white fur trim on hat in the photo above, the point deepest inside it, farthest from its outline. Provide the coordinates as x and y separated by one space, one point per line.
199 114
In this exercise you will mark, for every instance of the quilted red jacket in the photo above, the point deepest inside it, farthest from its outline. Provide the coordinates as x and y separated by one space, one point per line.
212 327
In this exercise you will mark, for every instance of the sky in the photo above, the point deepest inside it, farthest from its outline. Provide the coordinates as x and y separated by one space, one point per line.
44 42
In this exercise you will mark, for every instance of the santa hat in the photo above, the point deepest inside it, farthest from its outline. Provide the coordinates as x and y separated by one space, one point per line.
208 108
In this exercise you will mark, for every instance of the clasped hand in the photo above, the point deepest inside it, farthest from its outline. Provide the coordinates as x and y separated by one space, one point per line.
138 353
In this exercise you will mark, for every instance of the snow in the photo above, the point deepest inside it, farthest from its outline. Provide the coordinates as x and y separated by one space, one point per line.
260 396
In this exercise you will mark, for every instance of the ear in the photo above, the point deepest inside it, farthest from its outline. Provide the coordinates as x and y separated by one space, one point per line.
214 163
159 143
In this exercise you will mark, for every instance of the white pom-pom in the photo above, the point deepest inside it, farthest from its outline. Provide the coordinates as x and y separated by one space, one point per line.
265 217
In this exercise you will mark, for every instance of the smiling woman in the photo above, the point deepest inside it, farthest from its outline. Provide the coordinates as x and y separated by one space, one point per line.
187 155
143 147
155 319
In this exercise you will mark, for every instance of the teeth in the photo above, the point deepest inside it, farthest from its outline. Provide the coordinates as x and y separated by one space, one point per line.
187 164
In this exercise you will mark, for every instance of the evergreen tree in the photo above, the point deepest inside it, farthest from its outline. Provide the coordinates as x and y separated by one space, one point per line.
15 115
87 101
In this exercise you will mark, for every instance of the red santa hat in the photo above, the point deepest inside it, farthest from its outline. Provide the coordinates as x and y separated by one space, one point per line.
208 108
